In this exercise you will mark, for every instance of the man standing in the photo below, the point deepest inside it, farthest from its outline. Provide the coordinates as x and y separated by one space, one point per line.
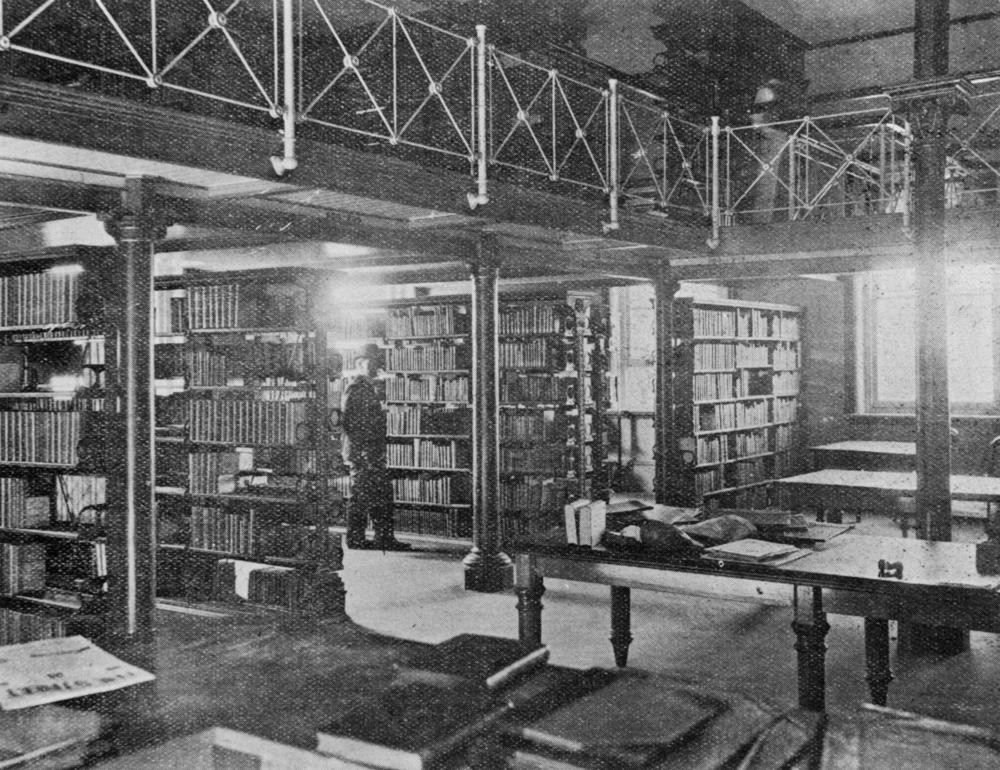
364 448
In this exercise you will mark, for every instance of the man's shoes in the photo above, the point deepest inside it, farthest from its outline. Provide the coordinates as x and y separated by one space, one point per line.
392 544
360 545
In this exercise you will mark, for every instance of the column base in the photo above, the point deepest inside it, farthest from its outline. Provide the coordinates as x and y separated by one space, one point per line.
488 574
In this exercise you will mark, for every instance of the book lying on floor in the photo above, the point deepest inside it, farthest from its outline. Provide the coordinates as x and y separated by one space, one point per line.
750 550
492 661
411 725
630 723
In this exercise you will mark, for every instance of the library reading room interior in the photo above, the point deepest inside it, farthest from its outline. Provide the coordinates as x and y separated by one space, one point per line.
343 341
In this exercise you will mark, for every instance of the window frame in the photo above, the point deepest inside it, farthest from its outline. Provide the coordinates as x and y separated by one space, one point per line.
866 351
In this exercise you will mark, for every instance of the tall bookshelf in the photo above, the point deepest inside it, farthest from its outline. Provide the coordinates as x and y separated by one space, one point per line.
553 394
245 454
55 414
428 394
734 374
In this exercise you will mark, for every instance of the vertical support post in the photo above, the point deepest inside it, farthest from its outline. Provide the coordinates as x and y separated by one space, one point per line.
665 449
487 568
878 673
811 628
481 196
131 529
529 588
716 214
613 150
621 623
288 162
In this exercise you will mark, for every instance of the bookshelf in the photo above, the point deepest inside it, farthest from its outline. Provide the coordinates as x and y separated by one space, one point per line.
55 414
428 393
552 387
734 374
245 458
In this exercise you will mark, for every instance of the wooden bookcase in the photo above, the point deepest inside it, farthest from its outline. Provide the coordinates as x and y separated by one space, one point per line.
553 395
734 379
245 455
428 398
56 412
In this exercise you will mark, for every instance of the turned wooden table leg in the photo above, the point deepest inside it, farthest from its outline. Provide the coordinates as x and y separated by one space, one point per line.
529 587
878 674
810 628
621 623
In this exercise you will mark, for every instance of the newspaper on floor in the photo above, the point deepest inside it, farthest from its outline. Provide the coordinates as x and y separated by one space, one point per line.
53 670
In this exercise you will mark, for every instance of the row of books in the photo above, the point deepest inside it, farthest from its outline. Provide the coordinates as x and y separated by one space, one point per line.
424 521
425 453
39 299
709 356
428 387
217 529
15 509
532 493
235 421
729 416
785 357
54 403
785 410
22 568
533 318
545 460
535 388
259 583
170 312
17 626
244 306
424 358
409 420
537 354
40 437
427 320
744 322
436 490
212 368
785 383
720 449
542 426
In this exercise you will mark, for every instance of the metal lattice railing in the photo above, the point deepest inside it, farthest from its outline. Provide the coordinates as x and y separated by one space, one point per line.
544 123
848 164
400 81
664 159
225 52
395 81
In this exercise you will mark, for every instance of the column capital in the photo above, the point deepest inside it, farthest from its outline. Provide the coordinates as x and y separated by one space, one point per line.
140 216
487 254
930 103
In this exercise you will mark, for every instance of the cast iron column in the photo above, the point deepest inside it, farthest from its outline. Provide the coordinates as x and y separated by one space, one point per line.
131 528
487 568
665 449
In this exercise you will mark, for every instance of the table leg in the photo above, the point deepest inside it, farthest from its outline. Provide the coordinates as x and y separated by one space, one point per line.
621 623
810 628
529 587
878 674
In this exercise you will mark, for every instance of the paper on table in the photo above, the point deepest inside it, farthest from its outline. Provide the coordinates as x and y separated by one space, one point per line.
52 670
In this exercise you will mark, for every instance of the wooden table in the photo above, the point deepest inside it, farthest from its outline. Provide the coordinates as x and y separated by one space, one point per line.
939 587
866 455
834 490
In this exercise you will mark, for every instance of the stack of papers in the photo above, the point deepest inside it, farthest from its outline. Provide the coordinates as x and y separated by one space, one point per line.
753 551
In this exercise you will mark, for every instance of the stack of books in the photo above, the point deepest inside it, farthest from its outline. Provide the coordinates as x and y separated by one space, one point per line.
436 706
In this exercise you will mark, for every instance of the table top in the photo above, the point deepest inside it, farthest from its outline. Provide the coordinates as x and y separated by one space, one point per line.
983 488
847 562
870 447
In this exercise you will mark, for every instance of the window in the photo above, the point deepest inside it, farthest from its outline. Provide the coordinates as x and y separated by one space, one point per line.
886 304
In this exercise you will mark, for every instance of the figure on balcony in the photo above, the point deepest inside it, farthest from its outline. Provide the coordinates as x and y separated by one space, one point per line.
771 105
